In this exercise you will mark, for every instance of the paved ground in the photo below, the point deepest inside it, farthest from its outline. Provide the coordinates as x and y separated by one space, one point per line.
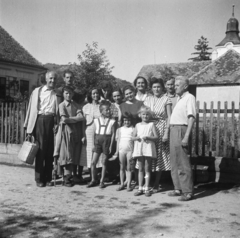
29 211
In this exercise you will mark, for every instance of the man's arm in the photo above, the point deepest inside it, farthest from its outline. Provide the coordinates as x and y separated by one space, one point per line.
185 139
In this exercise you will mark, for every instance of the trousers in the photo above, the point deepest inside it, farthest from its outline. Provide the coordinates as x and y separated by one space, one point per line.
181 170
44 158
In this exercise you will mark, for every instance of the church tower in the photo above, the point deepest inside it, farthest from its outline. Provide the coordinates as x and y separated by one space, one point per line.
231 40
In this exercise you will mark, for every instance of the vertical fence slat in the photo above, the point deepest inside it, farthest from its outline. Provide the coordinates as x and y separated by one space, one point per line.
225 130
218 129
233 131
17 124
204 128
2 121
5 122
22 117
211 130
197 129
238 144
13 122
9 122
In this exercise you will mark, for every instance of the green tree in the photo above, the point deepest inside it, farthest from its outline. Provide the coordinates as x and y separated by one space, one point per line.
202 49
93 68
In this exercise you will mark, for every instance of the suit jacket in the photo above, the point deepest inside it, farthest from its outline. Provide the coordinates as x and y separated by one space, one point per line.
32 111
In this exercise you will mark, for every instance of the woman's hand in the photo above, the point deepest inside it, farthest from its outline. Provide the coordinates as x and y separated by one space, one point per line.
137 139
165 137
84 140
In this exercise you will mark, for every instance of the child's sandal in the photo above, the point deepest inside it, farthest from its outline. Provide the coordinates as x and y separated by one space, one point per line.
148 193
129 189
138 193
102 185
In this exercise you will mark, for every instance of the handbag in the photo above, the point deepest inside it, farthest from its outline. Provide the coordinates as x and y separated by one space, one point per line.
28 150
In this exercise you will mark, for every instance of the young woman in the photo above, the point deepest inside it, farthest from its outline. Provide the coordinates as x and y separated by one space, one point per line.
160 105
90 112
141 85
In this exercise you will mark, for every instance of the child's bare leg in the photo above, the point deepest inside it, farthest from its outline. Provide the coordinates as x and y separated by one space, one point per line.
141 161
122 160
104 167
93 166
129 173
148 166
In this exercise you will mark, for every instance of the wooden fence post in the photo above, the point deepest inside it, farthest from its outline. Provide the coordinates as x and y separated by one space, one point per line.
204 128
197 129
2 121
218 128
211 130
225 130
22 117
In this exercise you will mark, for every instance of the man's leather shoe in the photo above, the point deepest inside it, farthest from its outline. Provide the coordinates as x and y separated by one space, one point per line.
49 184
40 185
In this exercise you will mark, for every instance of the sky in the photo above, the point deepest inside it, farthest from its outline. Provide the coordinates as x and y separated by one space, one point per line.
133 32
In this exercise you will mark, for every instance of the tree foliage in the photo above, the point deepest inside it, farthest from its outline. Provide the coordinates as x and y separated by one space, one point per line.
93 68
202 49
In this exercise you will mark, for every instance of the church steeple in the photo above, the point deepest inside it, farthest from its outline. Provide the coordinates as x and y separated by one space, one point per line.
232 33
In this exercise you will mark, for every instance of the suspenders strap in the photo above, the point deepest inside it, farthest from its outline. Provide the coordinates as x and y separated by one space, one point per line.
106 126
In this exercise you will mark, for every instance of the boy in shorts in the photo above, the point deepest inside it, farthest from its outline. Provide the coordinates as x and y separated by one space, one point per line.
104 134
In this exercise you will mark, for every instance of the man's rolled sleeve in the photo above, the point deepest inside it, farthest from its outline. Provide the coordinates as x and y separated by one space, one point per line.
191 107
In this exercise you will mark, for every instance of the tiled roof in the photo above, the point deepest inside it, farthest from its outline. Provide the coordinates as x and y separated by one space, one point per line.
185 69
11 50
223 70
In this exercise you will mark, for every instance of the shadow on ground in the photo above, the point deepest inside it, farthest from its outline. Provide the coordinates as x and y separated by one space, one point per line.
21 222
209 189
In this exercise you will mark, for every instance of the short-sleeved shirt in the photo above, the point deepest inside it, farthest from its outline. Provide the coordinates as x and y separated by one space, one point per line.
185 107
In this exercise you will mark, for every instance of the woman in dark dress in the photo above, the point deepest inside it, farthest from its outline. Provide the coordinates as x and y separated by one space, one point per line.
131 106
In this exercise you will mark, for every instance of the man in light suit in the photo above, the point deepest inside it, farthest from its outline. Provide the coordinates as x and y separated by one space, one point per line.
41 121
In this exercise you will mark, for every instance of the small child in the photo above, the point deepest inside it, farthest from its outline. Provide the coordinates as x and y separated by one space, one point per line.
144 148
124 150
104 134
68 140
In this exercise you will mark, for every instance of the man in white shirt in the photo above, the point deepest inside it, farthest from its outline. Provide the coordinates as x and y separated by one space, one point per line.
181 123
41 120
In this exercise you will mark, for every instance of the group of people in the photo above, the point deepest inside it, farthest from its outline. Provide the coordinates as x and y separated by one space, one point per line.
144 132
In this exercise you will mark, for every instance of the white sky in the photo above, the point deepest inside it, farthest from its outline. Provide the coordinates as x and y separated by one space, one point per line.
56 31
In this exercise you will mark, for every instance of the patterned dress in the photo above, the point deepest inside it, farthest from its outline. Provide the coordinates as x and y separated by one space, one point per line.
158 106
90 112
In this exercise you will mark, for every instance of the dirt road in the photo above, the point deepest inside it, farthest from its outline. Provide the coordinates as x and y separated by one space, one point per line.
29 211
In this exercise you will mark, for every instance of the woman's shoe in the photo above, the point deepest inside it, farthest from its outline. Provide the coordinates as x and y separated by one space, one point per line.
174 193
92 184
102 185
129 189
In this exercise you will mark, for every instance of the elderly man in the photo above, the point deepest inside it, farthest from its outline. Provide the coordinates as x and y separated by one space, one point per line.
41 119
181 123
